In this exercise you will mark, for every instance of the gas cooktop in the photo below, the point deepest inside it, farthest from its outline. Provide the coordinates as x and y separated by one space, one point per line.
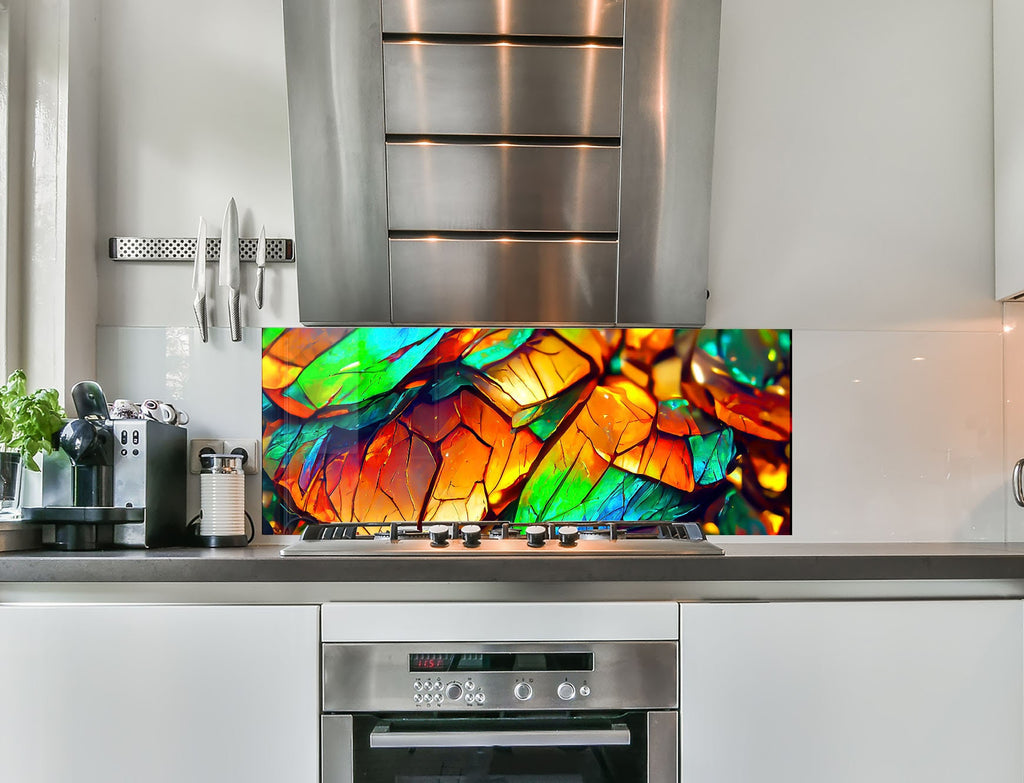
502 539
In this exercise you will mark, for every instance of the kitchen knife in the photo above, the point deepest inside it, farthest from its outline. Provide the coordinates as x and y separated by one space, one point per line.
261 262
229 275
199 281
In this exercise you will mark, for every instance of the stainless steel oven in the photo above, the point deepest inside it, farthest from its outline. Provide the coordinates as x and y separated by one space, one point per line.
518 712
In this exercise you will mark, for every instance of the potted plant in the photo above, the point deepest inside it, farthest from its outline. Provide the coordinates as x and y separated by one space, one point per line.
28 424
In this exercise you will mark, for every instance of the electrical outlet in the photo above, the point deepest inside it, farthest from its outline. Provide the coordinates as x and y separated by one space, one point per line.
198 446
251 451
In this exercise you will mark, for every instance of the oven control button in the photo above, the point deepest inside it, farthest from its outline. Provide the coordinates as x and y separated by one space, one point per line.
470 685
438 698
566 691
535 535
417 699
438 535
522 691
584 690
479 698
469 698
417 686
453 691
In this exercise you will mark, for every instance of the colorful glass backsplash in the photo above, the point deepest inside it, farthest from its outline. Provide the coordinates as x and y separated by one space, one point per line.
381 424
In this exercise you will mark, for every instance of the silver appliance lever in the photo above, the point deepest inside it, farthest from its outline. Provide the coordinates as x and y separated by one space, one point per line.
383 737
1018 486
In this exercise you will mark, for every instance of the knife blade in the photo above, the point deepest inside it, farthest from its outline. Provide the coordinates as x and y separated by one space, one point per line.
229 273
261 262
199 281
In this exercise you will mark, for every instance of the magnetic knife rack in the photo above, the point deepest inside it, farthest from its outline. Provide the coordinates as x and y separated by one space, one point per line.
279 251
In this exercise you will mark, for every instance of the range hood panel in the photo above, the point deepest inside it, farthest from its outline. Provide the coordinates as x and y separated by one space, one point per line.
438 88
577 131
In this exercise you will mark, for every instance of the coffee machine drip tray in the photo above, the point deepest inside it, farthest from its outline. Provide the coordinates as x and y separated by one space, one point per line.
77 528
89 515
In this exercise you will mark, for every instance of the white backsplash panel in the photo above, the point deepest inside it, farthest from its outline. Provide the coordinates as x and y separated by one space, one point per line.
898 436
216 383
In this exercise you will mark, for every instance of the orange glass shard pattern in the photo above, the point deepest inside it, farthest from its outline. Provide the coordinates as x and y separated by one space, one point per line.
378 425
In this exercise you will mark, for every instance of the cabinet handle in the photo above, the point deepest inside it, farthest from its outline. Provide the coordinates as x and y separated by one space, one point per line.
1018 487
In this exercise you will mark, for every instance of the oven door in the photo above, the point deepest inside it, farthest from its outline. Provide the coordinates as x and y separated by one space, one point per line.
631 747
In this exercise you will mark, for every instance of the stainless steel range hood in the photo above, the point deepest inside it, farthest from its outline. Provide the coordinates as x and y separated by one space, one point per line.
502 161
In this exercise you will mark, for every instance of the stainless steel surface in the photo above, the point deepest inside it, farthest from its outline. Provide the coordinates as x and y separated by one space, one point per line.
668 128
166 249
592 18
502 89
228 268
626 675
261 262
471 76
335 76
336 749
17 536
491 547
383 737
663 747
1018 487
506 281
502 187
199 281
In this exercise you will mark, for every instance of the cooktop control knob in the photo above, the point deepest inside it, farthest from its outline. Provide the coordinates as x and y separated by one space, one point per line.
522 691
438 535
453 692
568 535
471 535
566 691
535 535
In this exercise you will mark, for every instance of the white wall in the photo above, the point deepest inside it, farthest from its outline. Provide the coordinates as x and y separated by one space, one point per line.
852 203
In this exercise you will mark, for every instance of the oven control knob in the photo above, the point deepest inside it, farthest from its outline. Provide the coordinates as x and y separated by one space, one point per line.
522 691
535 535
568 535
453 692
471 535
566 691
438 535
584 690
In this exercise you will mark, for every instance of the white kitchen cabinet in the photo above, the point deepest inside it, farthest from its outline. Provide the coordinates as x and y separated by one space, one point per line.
1008 129
161 694
852 692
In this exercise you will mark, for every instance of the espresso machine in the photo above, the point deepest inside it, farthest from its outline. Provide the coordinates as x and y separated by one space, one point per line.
117 482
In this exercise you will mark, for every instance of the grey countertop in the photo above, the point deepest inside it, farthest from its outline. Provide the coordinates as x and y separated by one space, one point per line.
765 561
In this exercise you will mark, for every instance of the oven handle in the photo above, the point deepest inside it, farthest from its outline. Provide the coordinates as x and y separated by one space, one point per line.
383 737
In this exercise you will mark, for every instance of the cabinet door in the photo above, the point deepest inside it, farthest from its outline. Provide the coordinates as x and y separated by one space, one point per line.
162 694
860 692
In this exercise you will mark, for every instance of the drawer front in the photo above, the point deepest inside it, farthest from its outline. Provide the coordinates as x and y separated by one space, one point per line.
503 281
594 18
502 187
502 89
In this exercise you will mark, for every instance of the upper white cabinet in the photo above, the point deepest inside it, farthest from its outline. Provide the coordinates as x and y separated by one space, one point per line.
162 694
915 692
1008 108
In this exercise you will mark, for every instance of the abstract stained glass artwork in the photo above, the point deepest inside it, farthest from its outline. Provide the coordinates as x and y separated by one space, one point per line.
378 424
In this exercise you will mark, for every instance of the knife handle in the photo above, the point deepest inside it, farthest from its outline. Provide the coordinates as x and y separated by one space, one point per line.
199 306
234 317
258 293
